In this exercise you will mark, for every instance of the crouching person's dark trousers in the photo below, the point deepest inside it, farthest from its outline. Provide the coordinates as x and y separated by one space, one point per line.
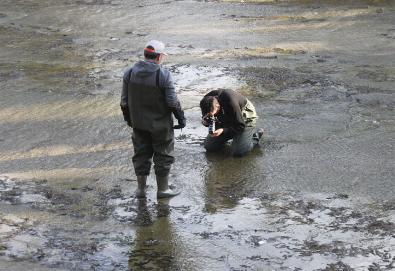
241 144
159 146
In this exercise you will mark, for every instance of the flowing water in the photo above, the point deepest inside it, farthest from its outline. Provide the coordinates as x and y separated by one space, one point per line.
317 194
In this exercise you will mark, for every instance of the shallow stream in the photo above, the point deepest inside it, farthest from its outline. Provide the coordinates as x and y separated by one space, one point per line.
317 194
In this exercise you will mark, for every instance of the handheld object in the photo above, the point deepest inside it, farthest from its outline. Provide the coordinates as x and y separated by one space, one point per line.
211 125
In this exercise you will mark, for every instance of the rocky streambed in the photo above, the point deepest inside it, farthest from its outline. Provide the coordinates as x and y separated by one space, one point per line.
316 195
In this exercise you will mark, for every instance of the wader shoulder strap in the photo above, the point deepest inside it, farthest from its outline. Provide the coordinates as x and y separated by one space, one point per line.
157 82
157 78
130 73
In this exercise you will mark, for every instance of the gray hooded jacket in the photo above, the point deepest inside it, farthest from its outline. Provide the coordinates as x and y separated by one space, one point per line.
144 72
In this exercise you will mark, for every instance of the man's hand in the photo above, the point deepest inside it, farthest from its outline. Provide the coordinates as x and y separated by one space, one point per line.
180 116
181 124
217 132
126 115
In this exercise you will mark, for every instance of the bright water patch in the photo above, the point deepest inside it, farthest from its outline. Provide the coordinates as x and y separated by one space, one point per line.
204 78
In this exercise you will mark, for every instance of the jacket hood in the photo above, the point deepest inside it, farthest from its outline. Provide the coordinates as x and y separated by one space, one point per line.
144 68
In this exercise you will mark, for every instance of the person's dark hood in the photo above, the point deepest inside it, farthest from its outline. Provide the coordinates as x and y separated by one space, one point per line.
144 68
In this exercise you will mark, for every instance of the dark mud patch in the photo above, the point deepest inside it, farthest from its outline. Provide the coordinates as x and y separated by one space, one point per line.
390 34
272 145
94 2
56 232
74 201
338 266
376 75
290 18
253 53
46 56
87 250
190 139
115 55
277 79
324 3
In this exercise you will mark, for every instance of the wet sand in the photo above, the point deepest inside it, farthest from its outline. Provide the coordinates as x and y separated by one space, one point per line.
316 195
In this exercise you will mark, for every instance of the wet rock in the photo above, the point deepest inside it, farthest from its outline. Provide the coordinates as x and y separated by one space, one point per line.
380 227
189 46
114 193
304 208
255 258
256 240
338 266
312 246
339 196
367 90
96 2
207 235
389 205
376 76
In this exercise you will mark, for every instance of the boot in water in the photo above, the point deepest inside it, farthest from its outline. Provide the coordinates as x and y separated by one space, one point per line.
164 191
141 187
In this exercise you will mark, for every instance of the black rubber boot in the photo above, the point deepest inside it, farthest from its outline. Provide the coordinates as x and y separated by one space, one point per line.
141 187
164 191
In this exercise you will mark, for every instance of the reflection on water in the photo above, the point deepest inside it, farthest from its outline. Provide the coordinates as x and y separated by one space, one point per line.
155 246
229 179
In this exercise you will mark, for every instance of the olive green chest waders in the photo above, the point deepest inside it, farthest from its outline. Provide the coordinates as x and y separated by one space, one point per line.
153 136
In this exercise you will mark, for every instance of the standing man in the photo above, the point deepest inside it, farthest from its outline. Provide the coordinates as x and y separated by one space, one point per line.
234 118
147 101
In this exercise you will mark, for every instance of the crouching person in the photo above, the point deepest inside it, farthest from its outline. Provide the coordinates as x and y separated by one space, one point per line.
148 99
229 115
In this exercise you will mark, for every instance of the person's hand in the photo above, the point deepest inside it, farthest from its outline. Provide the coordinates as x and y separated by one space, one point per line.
182 122
217 132
126 115
180 116
205 122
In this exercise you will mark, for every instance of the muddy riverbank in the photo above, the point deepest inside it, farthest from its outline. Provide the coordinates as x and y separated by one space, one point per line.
316 195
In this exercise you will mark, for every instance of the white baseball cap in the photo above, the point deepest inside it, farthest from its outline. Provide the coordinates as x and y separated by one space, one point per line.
158 47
